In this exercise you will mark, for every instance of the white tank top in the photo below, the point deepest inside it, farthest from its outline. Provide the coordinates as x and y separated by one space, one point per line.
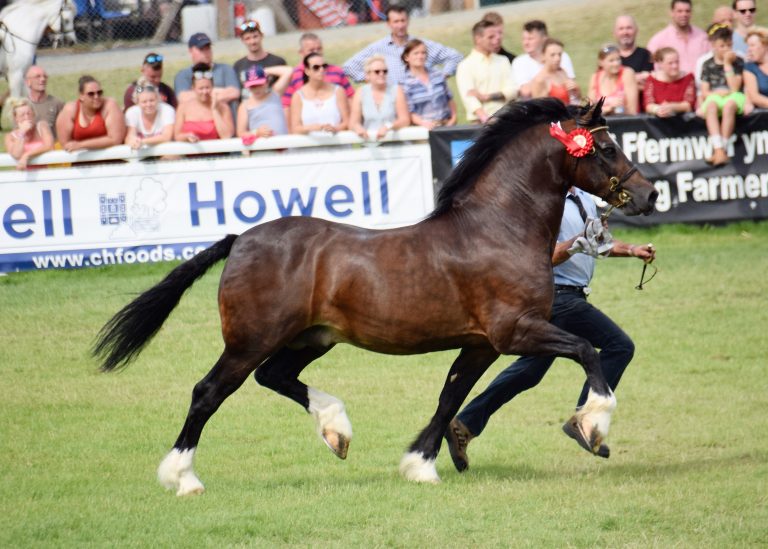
319 111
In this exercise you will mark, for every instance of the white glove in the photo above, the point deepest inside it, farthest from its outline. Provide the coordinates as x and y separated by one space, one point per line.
596 241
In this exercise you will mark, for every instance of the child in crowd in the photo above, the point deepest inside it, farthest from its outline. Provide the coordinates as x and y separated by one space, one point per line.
721 96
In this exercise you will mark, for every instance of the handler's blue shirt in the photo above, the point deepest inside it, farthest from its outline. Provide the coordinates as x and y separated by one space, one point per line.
578 270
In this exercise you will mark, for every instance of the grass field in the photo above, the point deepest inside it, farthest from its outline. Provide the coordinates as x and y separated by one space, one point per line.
689 466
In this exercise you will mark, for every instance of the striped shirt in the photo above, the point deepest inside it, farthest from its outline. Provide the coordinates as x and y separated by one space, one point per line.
429 101
437 54
333 75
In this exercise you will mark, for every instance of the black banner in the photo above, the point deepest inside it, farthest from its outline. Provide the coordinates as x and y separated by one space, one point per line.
671 153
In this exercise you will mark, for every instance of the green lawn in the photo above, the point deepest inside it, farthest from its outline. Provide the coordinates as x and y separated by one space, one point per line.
689 463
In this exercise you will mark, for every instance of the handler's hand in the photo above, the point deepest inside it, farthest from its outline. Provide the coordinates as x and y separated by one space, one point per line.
645 252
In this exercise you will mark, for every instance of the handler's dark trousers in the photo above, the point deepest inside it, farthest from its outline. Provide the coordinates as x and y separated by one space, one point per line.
572 313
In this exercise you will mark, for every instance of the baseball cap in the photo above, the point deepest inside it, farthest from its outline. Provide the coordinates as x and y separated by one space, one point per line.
199 40
155 60
255 76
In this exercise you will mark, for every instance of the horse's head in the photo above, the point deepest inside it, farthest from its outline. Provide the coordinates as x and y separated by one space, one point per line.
600 167
62 23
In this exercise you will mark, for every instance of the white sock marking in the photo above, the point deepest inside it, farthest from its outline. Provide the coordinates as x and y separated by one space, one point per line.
414 467
176 473
329 413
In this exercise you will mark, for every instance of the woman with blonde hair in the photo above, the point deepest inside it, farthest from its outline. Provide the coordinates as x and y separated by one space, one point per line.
615 82
30 137
756 71
150 120
378 107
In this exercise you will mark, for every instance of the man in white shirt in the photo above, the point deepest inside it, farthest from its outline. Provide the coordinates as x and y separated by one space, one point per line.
484 78
528 65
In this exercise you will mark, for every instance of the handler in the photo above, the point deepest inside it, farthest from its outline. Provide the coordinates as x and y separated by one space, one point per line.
574 259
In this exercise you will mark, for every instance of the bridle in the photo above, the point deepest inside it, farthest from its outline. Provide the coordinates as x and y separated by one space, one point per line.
624 197
4 29
617 183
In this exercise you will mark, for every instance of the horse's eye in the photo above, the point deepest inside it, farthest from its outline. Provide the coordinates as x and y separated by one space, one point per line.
609 151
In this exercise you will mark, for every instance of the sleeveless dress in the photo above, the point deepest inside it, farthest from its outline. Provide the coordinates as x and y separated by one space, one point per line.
560 91
376 116
618 93
96 128
319 111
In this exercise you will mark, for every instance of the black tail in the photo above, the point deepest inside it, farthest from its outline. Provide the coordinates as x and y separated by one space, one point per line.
125 335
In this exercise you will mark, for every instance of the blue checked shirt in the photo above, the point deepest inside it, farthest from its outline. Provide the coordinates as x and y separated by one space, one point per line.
429 102
437 54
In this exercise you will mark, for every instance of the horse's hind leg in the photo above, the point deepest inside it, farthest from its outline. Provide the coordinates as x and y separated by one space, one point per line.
280 373
418 464
230 371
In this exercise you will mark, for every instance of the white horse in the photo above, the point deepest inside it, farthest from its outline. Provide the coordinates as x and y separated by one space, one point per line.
22 25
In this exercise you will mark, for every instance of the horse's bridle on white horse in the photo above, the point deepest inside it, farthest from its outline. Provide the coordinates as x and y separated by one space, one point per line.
7 32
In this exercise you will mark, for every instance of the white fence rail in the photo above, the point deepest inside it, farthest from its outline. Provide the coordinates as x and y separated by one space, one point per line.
124 152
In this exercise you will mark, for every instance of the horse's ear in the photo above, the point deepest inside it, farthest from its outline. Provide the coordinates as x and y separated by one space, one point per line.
590 114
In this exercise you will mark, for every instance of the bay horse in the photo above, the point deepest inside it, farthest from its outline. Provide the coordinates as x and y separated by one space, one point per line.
476 275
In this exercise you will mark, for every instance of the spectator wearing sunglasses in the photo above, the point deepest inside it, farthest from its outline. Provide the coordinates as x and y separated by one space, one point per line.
688 40
318 107
430 103
206 115
378 106
92 121
151 73
311 43
150 120
253 39
225 81
743 20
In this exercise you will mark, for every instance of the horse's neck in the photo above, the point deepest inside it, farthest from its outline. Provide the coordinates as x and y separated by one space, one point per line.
28 20
527 176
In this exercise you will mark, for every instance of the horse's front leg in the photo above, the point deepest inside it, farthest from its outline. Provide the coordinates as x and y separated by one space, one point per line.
418 464
589 425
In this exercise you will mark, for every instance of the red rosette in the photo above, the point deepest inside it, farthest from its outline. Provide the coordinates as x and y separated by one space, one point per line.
578 143
582 138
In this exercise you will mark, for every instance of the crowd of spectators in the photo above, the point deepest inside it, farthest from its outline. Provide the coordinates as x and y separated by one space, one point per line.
719 73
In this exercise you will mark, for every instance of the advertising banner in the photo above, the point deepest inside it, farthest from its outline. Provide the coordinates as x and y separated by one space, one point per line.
145 212
672 154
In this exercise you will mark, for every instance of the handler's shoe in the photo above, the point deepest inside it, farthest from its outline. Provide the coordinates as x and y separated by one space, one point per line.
458 436
571 429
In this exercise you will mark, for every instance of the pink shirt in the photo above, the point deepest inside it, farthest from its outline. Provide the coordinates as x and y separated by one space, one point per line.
690 46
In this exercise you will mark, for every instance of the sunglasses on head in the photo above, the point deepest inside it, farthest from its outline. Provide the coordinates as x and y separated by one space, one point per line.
250 26
97 93
154 59
197 75
609 49
379 71
318 67
747 10
146 88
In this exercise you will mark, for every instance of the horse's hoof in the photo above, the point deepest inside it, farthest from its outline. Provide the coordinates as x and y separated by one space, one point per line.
338 443
592 443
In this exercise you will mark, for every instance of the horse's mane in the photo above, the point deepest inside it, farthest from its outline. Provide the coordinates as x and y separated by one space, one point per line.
503 127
